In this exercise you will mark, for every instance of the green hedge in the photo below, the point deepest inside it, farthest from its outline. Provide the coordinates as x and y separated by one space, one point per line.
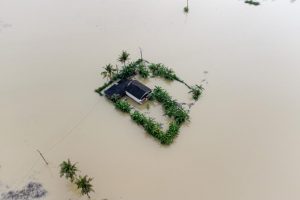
171 107
123 106
162 71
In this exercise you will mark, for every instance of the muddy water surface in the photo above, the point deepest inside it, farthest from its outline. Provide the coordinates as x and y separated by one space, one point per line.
243 139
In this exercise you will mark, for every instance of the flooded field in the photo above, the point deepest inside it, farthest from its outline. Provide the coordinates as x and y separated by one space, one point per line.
243 139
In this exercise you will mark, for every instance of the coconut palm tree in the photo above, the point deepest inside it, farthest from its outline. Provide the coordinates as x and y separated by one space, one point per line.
84 184
68 170
123 57
186 8
109 72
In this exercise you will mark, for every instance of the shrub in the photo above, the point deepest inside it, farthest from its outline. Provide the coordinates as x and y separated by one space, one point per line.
122 105
138 117
153 128
128 71
171 107
161 71
143 71
149 124
196 91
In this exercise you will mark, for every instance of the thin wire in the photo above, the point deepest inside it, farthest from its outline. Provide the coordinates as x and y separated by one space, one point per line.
57 143
72 129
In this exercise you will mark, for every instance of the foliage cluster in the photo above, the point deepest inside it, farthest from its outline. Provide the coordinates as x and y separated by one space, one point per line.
123 106
127 71
171 133
251 2
124 57
109 71
171 107
70 170
159 70
196 91
143 70
153 128
84 184
150 125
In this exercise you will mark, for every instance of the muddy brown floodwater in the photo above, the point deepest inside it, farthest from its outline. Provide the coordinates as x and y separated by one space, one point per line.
243 139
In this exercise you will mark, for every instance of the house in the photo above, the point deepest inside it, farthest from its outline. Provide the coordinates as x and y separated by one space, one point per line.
117 89
131 88
137 91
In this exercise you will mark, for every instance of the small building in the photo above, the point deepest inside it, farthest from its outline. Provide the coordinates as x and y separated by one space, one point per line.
138 91
117 89
132 88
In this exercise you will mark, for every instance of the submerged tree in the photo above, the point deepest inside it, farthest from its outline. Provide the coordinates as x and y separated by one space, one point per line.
84 184
109 72
186 8
251 2
68 170
124 57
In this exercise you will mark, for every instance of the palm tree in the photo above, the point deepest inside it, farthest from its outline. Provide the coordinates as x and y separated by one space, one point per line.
186 9
109 72
68 170
84 184
123 57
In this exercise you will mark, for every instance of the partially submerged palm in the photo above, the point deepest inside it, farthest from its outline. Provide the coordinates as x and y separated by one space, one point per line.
123 57
109 71
186 8
68 170
84 184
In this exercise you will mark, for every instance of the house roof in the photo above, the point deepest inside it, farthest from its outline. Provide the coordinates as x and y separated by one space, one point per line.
117 89
137 89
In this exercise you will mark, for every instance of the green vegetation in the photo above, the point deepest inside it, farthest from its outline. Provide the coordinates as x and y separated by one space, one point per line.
171 107
196 91
159 70
153 128
69 170
124 57
186 8
171 133
149 124
127 71
143 70
251 2
123 106
140 67
85 186
109 71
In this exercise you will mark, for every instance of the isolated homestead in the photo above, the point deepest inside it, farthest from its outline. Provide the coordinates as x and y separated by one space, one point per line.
131 88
